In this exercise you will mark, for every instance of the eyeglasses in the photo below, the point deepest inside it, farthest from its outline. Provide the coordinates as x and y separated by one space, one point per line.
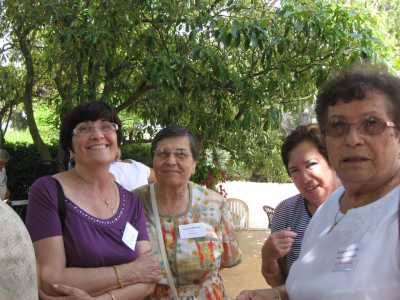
86 128
179 154
369 125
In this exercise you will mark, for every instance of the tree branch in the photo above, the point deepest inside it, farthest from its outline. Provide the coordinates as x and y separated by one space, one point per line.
143 88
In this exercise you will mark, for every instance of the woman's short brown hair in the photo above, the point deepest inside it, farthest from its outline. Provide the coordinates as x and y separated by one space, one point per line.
357 83
303 133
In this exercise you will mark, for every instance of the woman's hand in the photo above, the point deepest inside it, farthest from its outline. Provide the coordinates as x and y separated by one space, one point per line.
145 269
68 292
245 295
275 247
264 294
278 244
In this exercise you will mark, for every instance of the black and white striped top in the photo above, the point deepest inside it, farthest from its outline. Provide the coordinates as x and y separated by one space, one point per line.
292 213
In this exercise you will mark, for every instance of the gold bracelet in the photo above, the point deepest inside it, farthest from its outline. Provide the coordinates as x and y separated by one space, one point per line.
277 294
116 271
112 296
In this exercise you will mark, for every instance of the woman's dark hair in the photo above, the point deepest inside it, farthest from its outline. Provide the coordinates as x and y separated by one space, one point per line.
303 133
175 131
356 84
88 111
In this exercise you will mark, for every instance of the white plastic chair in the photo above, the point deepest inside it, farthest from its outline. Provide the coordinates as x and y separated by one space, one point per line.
240 213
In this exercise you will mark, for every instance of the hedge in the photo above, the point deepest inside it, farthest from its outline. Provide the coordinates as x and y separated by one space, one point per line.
25 161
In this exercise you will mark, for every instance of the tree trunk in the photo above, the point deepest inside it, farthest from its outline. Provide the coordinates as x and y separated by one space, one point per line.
3 128
27 98
2 141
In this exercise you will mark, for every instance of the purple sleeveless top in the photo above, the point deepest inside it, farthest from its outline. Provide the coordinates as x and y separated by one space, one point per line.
88 241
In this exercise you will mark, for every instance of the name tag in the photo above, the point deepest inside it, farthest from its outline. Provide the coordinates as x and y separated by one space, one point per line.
192 231
346 259
130 236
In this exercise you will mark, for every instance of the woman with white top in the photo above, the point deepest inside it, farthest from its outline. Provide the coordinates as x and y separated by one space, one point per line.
131 174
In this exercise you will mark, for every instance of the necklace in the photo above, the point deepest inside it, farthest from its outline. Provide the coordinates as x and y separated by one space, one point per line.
107 202
109 206
337 220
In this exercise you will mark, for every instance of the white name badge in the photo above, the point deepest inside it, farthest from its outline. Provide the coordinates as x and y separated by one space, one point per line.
346 259
192 231
130 236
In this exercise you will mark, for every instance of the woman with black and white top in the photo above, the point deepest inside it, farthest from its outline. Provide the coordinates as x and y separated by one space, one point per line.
306 162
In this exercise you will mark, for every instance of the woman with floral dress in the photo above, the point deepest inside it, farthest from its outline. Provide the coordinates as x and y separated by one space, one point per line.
195 227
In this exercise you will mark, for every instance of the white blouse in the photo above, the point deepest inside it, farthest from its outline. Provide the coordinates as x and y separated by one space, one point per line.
357 259
130 175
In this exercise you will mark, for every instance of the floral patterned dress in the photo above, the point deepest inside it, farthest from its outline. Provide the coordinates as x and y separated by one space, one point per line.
195 262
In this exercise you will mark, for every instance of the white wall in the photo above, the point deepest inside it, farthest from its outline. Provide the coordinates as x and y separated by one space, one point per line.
257 194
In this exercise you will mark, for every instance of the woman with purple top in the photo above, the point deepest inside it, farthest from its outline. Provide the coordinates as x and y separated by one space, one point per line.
100 245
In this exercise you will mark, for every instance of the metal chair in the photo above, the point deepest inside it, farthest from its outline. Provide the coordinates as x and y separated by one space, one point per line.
270 213
240 213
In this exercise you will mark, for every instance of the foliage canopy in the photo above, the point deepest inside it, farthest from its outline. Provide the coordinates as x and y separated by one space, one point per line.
226 69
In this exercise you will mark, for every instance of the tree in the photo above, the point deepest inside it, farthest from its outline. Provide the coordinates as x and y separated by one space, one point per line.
10 88
21 22
226 69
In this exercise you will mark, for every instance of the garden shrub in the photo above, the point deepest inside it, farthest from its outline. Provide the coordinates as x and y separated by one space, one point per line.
138 152
25 160
21 168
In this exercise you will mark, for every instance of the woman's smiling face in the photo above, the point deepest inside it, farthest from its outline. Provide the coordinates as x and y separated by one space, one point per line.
94 142
311 173
173 161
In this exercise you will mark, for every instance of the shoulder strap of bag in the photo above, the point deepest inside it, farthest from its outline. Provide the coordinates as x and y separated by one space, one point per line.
161 245
61 204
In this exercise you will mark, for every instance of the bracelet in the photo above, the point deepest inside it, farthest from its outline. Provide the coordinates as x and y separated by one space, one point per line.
118 277
277 294
112 296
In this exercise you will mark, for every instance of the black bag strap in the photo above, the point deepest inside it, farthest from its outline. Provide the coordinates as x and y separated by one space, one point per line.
61 204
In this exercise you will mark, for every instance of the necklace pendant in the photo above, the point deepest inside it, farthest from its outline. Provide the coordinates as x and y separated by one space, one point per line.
337 220
331 228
